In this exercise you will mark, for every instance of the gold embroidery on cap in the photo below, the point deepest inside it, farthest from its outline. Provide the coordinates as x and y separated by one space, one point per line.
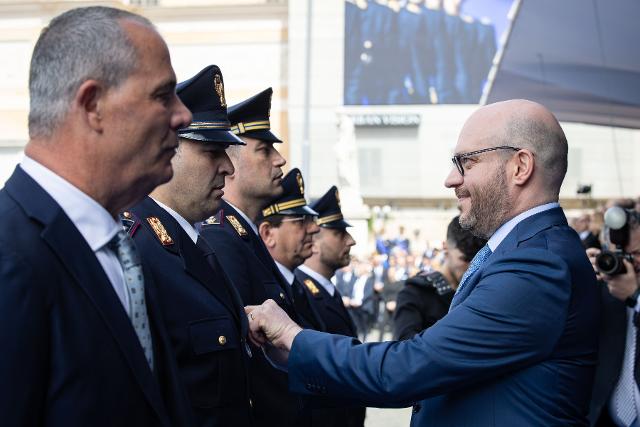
219 87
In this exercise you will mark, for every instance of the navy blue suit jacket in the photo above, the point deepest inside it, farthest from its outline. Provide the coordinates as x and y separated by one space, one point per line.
70 356
204 317
519 348
256 277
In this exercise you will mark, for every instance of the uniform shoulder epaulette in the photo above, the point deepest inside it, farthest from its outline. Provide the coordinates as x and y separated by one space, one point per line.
434 280
159 230
129 222
312 287
236 225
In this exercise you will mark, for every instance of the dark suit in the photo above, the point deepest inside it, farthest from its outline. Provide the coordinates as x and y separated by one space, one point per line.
256 277
365 315
518 349
337 321
70 356
613 331
204 317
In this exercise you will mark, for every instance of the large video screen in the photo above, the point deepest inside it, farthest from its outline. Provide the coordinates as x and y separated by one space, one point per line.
420 51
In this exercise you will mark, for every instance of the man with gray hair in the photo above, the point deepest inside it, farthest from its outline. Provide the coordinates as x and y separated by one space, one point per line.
82 340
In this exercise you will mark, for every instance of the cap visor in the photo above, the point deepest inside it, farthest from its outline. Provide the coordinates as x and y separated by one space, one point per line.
262 134
210 135
341 223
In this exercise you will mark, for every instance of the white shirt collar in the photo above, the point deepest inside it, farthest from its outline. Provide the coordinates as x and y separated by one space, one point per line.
288 274
188 228
245 217
92 220
326 283
501 233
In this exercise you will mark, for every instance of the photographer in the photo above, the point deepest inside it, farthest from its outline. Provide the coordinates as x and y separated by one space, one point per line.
616 398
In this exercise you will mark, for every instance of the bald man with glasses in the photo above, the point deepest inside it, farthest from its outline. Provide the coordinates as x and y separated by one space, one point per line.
517 347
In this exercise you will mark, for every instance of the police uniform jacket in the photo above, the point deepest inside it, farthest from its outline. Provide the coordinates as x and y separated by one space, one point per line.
203 314
257 278
423 301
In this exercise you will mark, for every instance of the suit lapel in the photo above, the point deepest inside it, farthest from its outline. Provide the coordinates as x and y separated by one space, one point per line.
81 263
524 230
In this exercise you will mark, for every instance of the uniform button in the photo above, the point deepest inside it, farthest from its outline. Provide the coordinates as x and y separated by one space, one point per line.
281 295
416 408
222 340
251 403
126 215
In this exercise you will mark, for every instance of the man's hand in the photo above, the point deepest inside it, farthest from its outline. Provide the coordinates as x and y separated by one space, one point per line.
269 323
622 286
592 253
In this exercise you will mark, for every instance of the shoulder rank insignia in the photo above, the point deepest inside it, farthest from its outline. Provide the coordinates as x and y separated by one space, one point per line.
212 220
312 287
160 231
236 224
129 223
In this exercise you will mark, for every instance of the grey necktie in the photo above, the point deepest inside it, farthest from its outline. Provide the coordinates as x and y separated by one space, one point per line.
623 400
127 254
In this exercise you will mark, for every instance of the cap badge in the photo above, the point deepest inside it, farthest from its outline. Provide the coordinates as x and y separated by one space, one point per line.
300 183
312 287
338 199
160 231
236 224
219 87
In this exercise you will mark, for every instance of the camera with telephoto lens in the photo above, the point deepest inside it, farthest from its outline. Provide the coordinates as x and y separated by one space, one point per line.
616 220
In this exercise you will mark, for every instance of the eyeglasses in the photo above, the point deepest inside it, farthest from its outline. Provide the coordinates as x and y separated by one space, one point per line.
306 219
459 160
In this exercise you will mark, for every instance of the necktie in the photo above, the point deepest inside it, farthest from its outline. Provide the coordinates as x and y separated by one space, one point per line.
127 254
474 266
623 400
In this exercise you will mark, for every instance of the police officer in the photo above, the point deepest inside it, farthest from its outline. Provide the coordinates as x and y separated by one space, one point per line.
287 226
426 298
233 235
202 311
330 252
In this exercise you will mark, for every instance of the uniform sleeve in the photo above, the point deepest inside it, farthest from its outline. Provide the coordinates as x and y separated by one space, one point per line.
24 337
512 319
408 318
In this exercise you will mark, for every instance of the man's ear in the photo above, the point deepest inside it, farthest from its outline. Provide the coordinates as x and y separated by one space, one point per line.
266 232
89 100
523 166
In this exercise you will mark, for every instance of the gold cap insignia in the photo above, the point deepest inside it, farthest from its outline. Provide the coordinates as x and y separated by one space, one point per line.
338 199
312 287
236 224
219 87
300 183
160 231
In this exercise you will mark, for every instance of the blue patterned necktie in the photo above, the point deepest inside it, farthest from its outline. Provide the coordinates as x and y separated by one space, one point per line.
475 264
127 254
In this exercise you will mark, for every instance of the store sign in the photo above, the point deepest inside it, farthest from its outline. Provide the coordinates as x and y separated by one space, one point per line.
386 119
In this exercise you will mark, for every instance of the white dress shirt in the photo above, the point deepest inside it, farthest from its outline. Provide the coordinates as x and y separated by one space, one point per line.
324 282
94 223
627 380
506 228
288 274
357 295
188 228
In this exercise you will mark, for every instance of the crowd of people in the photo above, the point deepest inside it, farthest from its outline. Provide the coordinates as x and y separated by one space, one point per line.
133 293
